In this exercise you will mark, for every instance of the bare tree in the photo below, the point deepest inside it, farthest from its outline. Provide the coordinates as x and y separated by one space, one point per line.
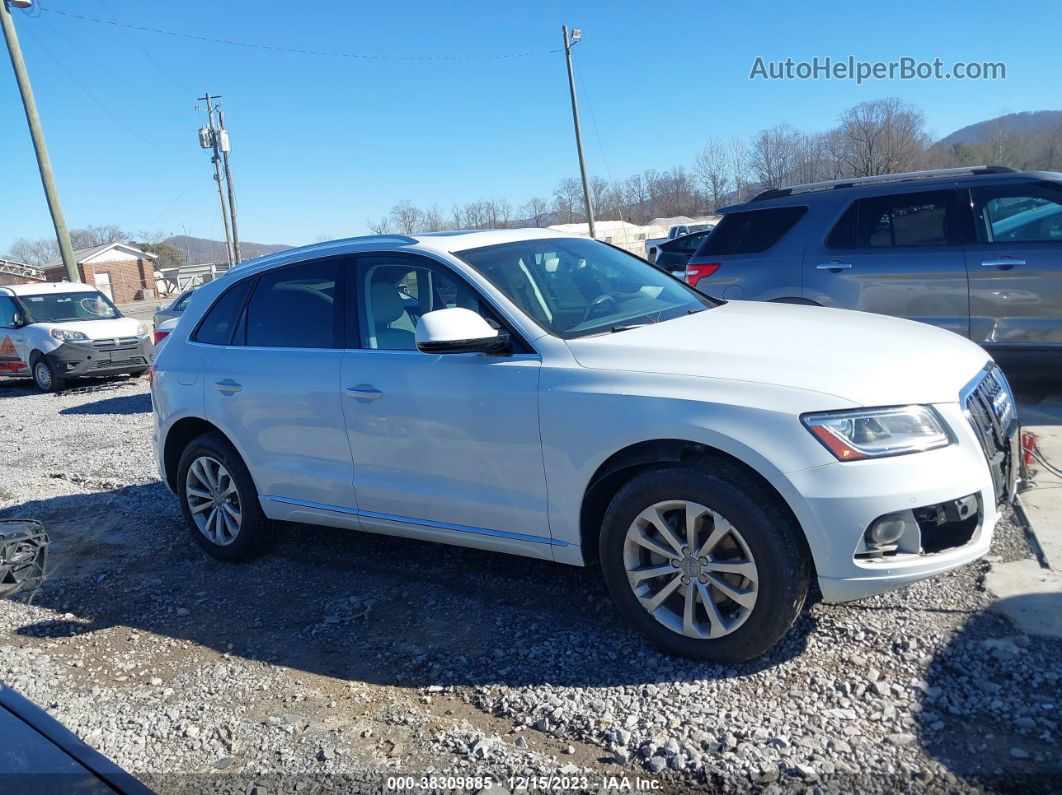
881 137
713 169
89 236
599 198
35 252
431 220
567 200
537 211
773 155
379 227
405 218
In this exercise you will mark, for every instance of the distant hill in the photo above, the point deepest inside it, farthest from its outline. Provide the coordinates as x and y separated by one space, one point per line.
1022 123
197 249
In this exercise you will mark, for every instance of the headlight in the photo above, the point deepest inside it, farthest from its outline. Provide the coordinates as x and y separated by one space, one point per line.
67 336
876 433
141 330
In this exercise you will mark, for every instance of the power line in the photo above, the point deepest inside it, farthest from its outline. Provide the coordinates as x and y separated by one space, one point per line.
296 50
147 52
87 93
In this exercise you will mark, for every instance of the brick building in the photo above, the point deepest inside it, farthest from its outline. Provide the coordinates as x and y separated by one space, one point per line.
117 270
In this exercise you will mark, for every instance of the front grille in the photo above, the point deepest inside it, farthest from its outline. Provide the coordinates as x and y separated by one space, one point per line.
135 361
115 344
989 406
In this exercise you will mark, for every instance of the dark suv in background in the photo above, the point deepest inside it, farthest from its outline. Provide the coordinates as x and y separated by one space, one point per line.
976 250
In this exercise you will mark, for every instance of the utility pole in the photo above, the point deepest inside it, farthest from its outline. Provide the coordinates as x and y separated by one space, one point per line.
225 147
208 139
569 42
44 163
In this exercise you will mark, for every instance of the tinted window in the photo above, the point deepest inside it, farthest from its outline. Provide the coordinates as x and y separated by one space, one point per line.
573 287
294 307
393 293
182 302
751 231
1006 213
218 325
8 310
909 219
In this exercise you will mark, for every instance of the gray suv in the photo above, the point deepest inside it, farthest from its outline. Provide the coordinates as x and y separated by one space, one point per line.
977 251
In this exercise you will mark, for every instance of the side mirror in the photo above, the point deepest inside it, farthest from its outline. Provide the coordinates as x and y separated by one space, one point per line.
18 320
459 330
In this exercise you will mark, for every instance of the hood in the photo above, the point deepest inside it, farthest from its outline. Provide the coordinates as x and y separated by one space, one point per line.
97 329
870 360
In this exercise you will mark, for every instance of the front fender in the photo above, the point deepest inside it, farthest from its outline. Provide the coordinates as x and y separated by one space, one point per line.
589 416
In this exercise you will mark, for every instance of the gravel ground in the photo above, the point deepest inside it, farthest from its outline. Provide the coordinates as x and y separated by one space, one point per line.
343 658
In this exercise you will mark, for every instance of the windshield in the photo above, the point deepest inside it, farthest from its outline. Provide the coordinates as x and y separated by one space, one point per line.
64 307
573 287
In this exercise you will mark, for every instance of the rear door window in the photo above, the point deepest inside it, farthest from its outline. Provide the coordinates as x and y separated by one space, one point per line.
896 221
295 307
751 231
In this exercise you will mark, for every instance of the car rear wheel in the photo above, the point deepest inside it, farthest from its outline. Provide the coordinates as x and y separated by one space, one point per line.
703 562
45 377
219 500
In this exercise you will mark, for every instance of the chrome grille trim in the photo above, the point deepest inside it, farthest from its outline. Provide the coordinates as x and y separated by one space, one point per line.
988 403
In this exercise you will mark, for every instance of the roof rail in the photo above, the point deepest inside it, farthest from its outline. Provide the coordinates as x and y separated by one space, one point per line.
855 182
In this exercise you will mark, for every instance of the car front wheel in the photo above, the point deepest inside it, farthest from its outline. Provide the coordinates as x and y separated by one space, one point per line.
703 562
219 500
45 377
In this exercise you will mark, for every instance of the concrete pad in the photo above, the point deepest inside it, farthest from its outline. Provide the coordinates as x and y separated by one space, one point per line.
1028 595
1043 502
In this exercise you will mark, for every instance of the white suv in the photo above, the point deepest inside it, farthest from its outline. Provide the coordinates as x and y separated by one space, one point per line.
56 331
555 397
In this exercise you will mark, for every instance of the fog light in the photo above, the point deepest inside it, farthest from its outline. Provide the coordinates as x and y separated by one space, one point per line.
886 530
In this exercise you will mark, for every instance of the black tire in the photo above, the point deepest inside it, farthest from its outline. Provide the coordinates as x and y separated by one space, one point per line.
783 568
48 380
256 531
138 372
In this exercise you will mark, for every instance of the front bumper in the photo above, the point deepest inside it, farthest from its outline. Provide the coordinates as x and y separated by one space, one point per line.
72 359
841 500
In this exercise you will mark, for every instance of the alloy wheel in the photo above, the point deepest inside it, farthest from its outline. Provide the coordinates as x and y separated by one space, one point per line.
691 569
213 500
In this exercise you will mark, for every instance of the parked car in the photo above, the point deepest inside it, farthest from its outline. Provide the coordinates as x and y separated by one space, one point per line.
977 251
174 308
163 330
56 331
674 255
555 397
652 245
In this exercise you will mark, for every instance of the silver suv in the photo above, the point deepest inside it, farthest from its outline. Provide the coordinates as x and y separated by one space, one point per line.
977 251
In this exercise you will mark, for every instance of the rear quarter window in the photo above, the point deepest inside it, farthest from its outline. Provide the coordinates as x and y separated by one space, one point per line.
220 321
751 231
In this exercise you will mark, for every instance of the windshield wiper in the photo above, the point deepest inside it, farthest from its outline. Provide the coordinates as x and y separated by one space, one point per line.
627 327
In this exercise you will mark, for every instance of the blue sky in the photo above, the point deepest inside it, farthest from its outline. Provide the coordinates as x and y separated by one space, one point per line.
322 143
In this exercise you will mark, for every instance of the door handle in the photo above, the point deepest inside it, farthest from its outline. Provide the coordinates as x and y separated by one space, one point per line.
1005 263
364 392
227 387
836 267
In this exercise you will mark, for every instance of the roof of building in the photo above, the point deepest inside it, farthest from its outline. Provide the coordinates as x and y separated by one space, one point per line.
82 255
42 288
